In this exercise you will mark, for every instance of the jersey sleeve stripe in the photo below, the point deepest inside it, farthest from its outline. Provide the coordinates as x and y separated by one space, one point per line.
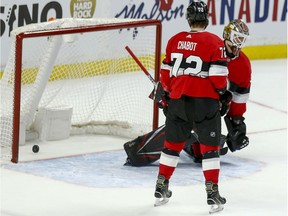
222 63
218 70
165 66
240 98
233 87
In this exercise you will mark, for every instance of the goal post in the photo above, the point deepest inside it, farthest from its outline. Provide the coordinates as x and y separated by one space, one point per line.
81 65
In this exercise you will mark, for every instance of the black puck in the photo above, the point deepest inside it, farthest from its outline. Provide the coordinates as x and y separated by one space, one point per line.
35 148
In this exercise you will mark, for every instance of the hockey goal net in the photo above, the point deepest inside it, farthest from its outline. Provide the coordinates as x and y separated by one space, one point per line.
81 66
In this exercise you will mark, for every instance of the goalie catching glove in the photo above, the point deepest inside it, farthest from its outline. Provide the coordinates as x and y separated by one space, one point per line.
236 138
160 96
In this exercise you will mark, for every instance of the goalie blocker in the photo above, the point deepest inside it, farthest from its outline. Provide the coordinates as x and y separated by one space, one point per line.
147 149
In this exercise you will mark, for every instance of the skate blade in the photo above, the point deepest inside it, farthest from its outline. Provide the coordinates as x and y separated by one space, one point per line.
215 208
161 201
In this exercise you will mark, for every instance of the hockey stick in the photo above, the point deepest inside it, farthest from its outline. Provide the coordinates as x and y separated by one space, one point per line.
164 104
141 65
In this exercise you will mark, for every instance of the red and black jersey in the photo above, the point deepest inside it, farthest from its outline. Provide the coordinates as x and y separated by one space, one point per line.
194 65
239 83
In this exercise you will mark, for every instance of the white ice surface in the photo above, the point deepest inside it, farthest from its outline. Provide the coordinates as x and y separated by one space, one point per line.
262 193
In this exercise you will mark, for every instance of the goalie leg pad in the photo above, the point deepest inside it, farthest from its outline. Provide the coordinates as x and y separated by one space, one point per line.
145 149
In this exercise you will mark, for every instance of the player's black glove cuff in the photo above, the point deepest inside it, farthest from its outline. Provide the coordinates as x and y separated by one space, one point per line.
225 101
160 96
221 91
238 120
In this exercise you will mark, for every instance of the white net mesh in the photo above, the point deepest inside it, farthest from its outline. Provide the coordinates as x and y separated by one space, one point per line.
90 72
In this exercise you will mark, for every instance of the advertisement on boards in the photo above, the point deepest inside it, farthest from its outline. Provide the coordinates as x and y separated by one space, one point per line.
261 16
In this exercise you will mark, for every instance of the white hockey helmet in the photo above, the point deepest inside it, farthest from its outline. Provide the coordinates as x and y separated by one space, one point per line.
236 32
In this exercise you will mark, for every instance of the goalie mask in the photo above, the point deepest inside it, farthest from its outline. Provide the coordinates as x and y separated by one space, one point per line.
235 35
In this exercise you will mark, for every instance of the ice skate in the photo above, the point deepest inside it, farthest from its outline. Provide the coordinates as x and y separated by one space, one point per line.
162 193
214 199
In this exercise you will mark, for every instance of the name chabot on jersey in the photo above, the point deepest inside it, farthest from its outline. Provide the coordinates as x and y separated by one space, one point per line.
187 45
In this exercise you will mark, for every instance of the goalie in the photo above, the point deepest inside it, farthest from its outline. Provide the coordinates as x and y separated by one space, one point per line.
239 67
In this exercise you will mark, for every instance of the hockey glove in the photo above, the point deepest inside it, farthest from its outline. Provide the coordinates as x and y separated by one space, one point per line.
160 96
236 138
225 101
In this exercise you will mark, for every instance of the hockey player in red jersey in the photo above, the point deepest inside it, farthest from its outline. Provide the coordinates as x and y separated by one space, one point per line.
194 74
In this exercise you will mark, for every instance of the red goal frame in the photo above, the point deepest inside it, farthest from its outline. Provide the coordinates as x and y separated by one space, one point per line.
18 66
